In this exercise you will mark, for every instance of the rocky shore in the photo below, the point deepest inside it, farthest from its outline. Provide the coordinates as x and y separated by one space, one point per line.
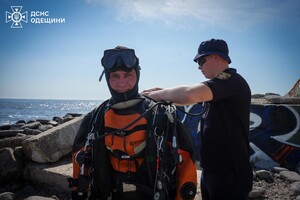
277 184
24 146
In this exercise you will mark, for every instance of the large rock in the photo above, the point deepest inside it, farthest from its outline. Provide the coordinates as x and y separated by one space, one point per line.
11 168
10 133
282 100
295 188
265 175
52 144
13 142
290 176
295 91
257 192
7 196
52 176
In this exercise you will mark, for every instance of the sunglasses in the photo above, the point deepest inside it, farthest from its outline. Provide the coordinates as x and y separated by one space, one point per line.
114 58
201 61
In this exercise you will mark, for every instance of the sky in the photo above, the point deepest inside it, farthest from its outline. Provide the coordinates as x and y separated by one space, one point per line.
61 60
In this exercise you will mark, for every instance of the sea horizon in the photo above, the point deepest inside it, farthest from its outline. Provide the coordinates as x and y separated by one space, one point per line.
14 109
16 98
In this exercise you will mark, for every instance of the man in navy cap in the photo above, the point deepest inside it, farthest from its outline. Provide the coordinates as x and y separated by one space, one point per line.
224 148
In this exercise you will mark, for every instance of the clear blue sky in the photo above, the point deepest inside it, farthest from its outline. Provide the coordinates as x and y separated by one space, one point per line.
62 61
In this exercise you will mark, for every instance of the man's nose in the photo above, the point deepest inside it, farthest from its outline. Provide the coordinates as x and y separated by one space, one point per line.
122 81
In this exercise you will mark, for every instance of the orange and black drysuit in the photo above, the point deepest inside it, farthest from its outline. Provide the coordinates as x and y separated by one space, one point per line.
139 150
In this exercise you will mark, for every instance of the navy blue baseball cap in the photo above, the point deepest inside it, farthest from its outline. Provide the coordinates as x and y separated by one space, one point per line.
213 46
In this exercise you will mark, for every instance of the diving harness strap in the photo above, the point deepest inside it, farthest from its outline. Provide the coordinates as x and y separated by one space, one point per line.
161 136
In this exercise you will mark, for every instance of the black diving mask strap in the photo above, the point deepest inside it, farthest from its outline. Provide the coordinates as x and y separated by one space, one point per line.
100 78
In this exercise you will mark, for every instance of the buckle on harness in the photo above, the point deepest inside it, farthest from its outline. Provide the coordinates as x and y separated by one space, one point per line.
175 157
127 187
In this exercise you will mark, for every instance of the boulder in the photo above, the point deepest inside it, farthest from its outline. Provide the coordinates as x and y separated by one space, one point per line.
29 131
45 127
7 196
5 127
265 175
32 125
53 144
296 188
10 133
53 123
11 168
290 176
13 142
43 121
53 176
279 169
282 100
257 192
40 198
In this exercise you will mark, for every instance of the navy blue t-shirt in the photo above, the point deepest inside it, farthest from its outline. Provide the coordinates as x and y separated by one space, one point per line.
225 125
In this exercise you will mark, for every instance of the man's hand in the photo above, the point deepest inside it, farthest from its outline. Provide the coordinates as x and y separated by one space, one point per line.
151 90
152 94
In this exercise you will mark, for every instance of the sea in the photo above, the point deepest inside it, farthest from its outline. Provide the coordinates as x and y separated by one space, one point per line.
13 110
